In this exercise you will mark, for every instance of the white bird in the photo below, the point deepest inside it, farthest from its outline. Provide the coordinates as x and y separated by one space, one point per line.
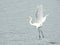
40 19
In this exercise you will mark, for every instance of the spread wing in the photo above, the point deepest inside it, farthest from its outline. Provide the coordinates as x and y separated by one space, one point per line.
39 14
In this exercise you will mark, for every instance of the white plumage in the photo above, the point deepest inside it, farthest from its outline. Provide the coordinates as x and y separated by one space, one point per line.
40 18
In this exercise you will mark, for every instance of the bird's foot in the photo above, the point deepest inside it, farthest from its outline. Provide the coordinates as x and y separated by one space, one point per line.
42 36
39 37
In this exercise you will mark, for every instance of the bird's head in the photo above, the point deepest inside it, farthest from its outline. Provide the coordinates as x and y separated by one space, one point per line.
29 17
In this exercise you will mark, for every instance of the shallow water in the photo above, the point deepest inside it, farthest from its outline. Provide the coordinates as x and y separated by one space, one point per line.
15 29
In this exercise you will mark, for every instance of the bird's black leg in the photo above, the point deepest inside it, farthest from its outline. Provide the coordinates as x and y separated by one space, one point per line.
42 34
39 33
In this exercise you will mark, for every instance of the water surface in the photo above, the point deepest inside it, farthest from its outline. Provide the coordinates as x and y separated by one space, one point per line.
15 29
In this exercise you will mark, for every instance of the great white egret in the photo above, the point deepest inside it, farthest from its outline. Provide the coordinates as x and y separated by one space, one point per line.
40 19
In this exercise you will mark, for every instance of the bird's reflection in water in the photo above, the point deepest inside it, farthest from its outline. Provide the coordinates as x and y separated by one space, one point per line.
53 42
49 43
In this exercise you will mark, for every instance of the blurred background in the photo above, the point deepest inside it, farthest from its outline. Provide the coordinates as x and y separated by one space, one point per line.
15 28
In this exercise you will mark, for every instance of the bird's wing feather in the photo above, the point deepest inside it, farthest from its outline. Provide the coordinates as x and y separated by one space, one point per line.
39 14
44 18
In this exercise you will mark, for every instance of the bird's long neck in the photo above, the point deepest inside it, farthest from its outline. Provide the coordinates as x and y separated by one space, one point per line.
30 21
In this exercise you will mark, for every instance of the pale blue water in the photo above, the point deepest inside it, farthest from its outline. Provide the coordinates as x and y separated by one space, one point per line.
15 29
